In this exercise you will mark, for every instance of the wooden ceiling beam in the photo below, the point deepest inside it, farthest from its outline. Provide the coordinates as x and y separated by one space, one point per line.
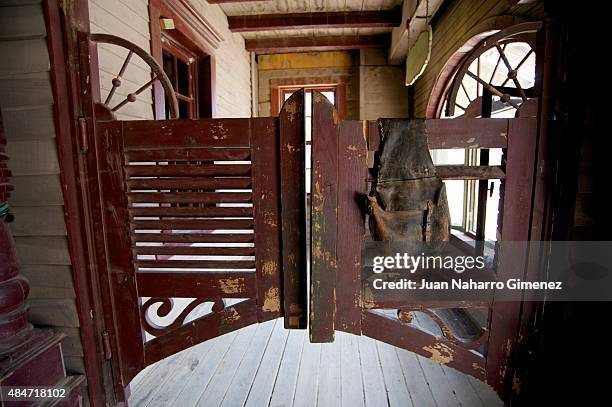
322 43
299 21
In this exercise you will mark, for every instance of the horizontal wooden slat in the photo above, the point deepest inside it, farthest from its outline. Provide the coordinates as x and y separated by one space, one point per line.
195 251
192 224
464 133
189 133
300 21
191 154
210 285
189 197
187 170
316 43
456 133
196 211
198 264
194 237
470 172
195 183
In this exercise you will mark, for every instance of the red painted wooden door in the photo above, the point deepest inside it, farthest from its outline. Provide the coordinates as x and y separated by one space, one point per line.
343 151
191 220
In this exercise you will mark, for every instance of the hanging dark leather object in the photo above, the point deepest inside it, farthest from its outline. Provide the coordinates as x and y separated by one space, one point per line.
408 200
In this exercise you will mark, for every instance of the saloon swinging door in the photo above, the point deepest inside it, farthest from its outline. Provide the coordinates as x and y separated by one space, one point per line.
189 218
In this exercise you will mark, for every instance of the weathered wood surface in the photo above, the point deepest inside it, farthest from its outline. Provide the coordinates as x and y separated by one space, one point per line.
517 209
268 365
267 228
456 133
293 201
323 219
352 154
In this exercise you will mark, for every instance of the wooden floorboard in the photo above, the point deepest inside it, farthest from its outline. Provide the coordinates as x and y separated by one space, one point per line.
261 389
267 365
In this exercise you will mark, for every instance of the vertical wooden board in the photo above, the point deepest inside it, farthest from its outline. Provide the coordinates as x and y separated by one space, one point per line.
286 379
420 390
306 387
323 220
350 371
266 208
261 390
146 390
220 383
293 209
462 388
373 382
352 155
518 191
120 266
243 380
397 391
329 391
203 373
166 393
442 392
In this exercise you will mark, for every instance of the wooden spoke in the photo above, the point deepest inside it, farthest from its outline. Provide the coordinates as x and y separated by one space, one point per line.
465 91
157 73
132 96
504 97
117 80
525 58
512 73
497 64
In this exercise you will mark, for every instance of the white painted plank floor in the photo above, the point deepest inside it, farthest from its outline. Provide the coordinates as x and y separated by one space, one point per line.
266 365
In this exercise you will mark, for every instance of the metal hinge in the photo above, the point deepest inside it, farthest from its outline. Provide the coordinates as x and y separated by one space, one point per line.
84 135
108 353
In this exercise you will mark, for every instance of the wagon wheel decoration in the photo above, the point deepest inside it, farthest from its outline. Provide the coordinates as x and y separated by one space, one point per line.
158 74
502 65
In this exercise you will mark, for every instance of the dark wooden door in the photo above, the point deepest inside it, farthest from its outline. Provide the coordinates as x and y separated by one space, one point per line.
343 152
191 228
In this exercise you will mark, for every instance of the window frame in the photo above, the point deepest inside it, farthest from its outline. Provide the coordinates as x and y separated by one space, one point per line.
193 35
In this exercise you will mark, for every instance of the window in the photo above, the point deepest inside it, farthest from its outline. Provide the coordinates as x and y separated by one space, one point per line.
181 66
185 53
493 82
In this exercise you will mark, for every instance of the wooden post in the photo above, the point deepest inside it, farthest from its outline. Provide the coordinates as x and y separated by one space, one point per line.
352 187
293 201
323 233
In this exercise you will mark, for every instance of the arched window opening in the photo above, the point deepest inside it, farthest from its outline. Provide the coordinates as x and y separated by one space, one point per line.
492 81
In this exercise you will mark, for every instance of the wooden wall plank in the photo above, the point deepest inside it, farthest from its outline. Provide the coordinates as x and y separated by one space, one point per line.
22 22
39 250
26 56
266 207
323 218
32 123
293 201
38 221
55 312
45 275
352 155
25 90
33 157
33 190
